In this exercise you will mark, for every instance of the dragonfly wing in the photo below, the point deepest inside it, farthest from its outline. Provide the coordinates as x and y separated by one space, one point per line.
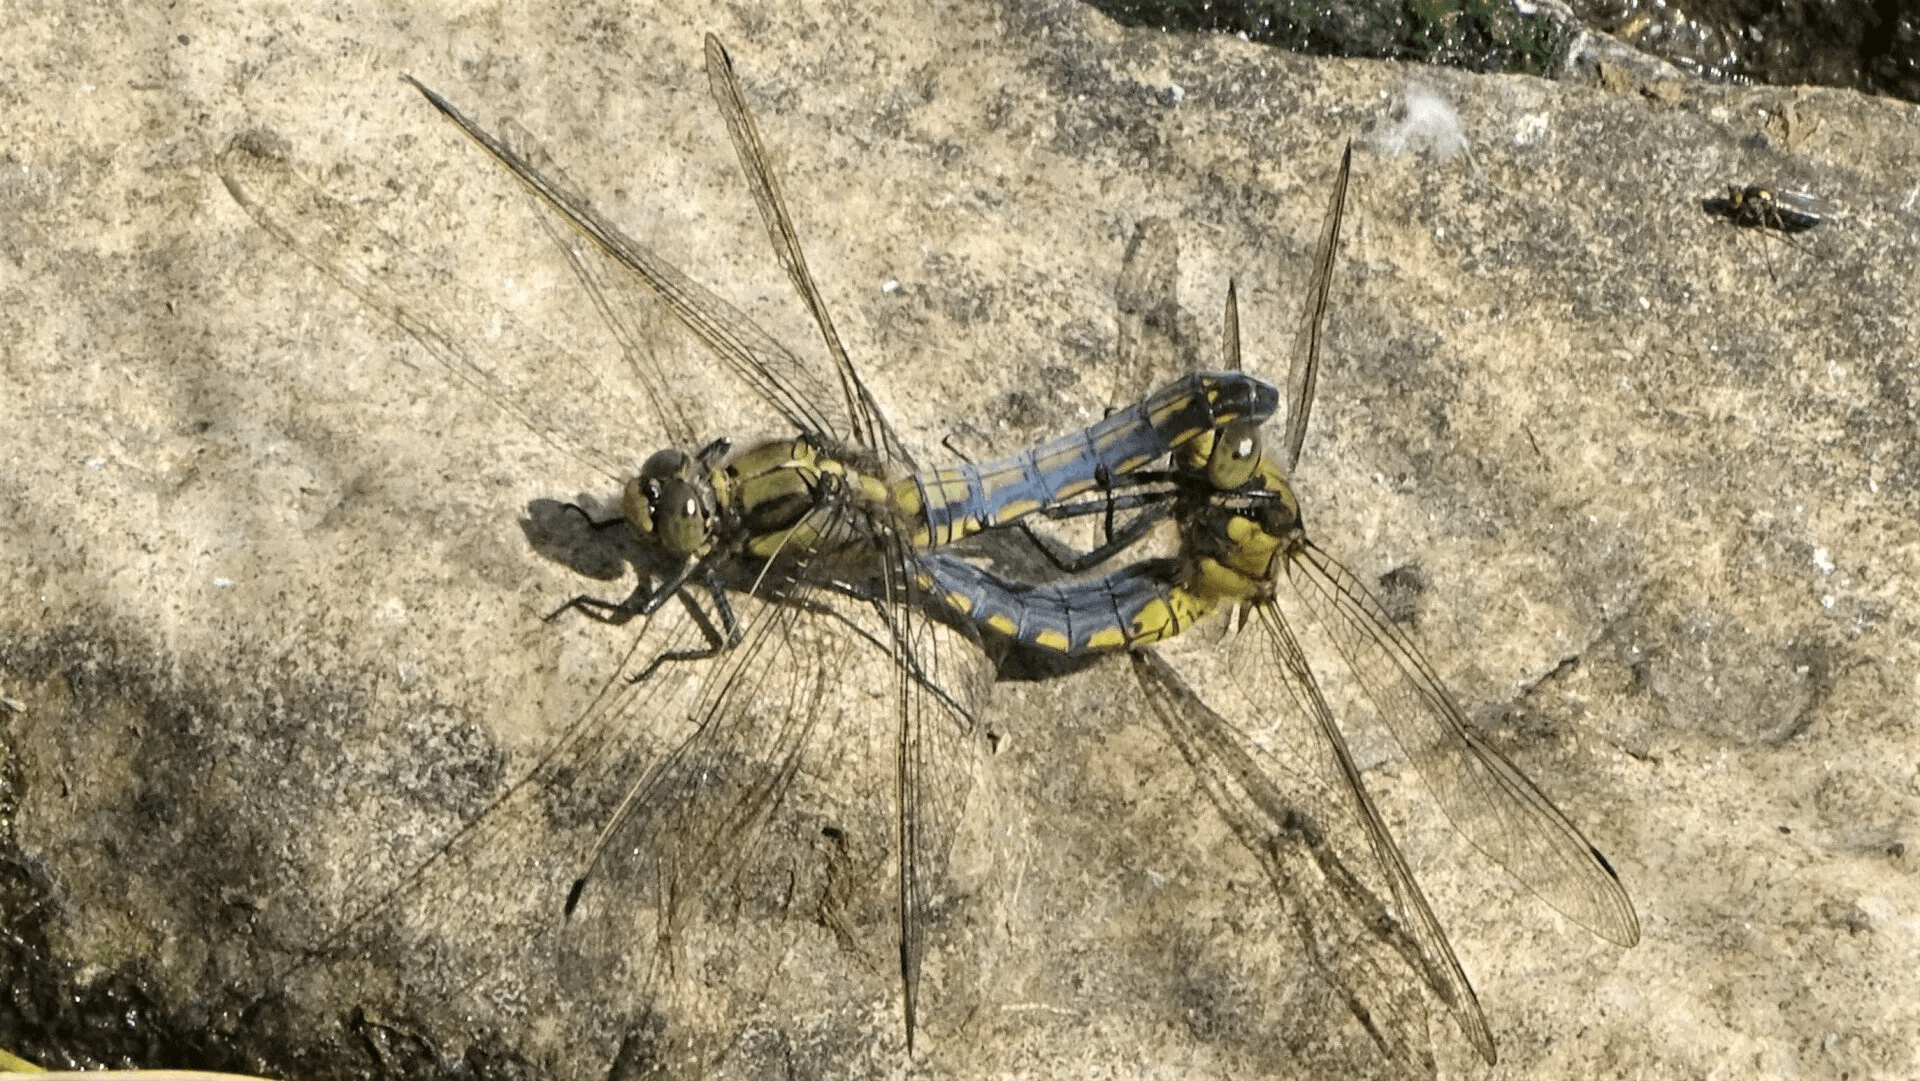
1485 796
708 871
864 423
790 736
749 352
1303 367
940 676
477 343
629 315
937 672
1148 303
1336 915
478 915
1230 331
1272 671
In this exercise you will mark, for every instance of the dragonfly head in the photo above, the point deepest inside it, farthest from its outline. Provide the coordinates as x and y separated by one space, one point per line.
664 502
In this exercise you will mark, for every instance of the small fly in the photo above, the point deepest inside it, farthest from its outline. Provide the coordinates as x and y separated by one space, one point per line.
1758 206
1761 207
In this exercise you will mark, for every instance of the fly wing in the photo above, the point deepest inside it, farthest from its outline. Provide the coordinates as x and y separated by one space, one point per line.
1485 796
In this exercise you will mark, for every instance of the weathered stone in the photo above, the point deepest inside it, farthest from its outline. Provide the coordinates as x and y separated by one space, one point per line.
275 623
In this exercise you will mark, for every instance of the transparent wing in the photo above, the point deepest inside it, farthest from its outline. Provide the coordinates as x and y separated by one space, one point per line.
1303 365
866 424
793 736
1148 308
1487 799
1296 727
624 312
722 836
782 379
935 676
1230 331
1362 957
474 341
478 916
938 752
688 831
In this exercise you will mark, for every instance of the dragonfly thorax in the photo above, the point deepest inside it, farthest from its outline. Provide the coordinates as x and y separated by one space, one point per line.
1240 538
1270 503
796 495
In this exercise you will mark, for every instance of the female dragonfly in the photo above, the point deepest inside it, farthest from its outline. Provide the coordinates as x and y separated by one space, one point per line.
1243 548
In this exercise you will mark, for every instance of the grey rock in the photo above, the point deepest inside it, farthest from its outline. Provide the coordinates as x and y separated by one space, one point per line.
1644 482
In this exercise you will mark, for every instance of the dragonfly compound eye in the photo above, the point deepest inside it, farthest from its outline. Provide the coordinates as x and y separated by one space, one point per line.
636 502
676 516
1235 457
664 464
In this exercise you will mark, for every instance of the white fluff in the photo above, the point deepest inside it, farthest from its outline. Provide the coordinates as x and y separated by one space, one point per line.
1426 122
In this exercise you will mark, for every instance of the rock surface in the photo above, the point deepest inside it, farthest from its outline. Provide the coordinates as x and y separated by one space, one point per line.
1651 483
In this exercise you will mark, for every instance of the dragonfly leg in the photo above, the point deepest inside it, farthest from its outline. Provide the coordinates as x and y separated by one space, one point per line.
592 522
612 613
642 602
674 656
728 622
1151 492
1118 540
717 641
711 454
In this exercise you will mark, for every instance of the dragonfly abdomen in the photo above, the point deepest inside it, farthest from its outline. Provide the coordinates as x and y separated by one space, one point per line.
1138 605
966 499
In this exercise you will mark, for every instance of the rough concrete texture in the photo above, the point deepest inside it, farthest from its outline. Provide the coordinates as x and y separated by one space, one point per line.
1647 484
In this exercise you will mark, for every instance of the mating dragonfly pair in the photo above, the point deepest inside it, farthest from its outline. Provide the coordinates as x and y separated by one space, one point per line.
772 577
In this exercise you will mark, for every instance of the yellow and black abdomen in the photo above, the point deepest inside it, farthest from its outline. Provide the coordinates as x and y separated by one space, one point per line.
1137 605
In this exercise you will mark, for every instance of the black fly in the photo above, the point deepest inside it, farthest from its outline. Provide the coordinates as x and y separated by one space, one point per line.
1757 206
1761 207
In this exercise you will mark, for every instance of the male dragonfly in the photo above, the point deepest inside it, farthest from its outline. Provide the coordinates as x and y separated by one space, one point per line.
1239 545
768 576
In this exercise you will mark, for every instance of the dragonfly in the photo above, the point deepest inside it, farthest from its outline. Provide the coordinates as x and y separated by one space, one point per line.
1244 549
766 577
